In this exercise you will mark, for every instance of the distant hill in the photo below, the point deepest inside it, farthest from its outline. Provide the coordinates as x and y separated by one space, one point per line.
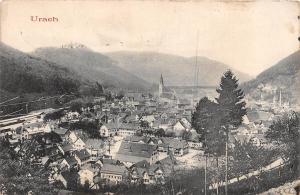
23 73
176 70
92 66
284 76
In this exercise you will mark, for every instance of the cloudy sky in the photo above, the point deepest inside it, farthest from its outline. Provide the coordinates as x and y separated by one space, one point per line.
249 36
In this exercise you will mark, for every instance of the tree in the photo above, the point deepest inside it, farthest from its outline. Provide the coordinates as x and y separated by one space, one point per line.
231 105
19 176
76 106
286 132
247 157
160 132
203 117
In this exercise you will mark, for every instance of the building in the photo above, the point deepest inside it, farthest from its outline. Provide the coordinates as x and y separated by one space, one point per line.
130 152
113 173
108 129
165 93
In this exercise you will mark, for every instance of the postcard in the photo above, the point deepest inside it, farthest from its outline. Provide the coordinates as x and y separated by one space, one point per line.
149 97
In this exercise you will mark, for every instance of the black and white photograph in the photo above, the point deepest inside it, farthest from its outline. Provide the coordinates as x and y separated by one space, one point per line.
154 97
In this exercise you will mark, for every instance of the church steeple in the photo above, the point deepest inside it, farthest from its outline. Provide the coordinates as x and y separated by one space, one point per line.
161 81
161 86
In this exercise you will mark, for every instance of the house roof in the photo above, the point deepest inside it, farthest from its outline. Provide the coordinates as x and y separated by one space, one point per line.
82 154
67 147
137 149
111 125
34 125
94 143
128 126
70 176
60 131
113 169
174 143
71 160
110 161
140 139
142 164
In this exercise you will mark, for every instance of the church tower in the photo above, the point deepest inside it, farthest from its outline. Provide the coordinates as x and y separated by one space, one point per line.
161 86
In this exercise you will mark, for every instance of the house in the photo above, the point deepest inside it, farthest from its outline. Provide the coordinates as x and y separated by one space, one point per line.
28 130
127 129
77 139
67 178
130 152
195 145
95 147
148 118
62 132
108 129
113 173
140 139
143 172
70 162
182 125
87 174
175 146
66 148
82 156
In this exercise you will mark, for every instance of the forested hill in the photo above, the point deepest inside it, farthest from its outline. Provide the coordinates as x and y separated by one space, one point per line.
93 66
21 73
283 76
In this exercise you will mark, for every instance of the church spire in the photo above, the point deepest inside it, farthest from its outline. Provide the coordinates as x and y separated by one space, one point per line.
161 86
161 80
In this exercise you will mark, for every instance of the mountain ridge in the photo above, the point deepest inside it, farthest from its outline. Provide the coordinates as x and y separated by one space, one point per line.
93 66
283 76
150 65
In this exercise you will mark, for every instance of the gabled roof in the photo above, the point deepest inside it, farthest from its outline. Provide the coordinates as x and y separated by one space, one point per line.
71 160
113 169
94 143
174 143
111 125
140 139
82 154
130 126
137 149
67 147
60 131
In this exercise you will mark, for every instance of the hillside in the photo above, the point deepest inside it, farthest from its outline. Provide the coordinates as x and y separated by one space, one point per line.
176 70
92 66
284 76
22 73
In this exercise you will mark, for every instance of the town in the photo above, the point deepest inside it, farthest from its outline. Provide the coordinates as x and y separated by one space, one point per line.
135 138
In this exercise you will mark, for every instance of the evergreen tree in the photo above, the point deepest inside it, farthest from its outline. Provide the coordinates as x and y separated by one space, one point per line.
203 117
230 101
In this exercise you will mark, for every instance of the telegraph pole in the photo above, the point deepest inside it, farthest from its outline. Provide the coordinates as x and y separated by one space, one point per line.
26 108
205 175
226 163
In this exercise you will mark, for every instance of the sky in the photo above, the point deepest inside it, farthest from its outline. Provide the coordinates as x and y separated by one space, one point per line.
248 36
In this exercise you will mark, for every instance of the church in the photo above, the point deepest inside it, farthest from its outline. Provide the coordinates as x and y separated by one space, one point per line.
165 93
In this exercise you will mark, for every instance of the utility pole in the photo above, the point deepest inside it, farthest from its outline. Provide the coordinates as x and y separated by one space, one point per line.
26 108
226 163
205 175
